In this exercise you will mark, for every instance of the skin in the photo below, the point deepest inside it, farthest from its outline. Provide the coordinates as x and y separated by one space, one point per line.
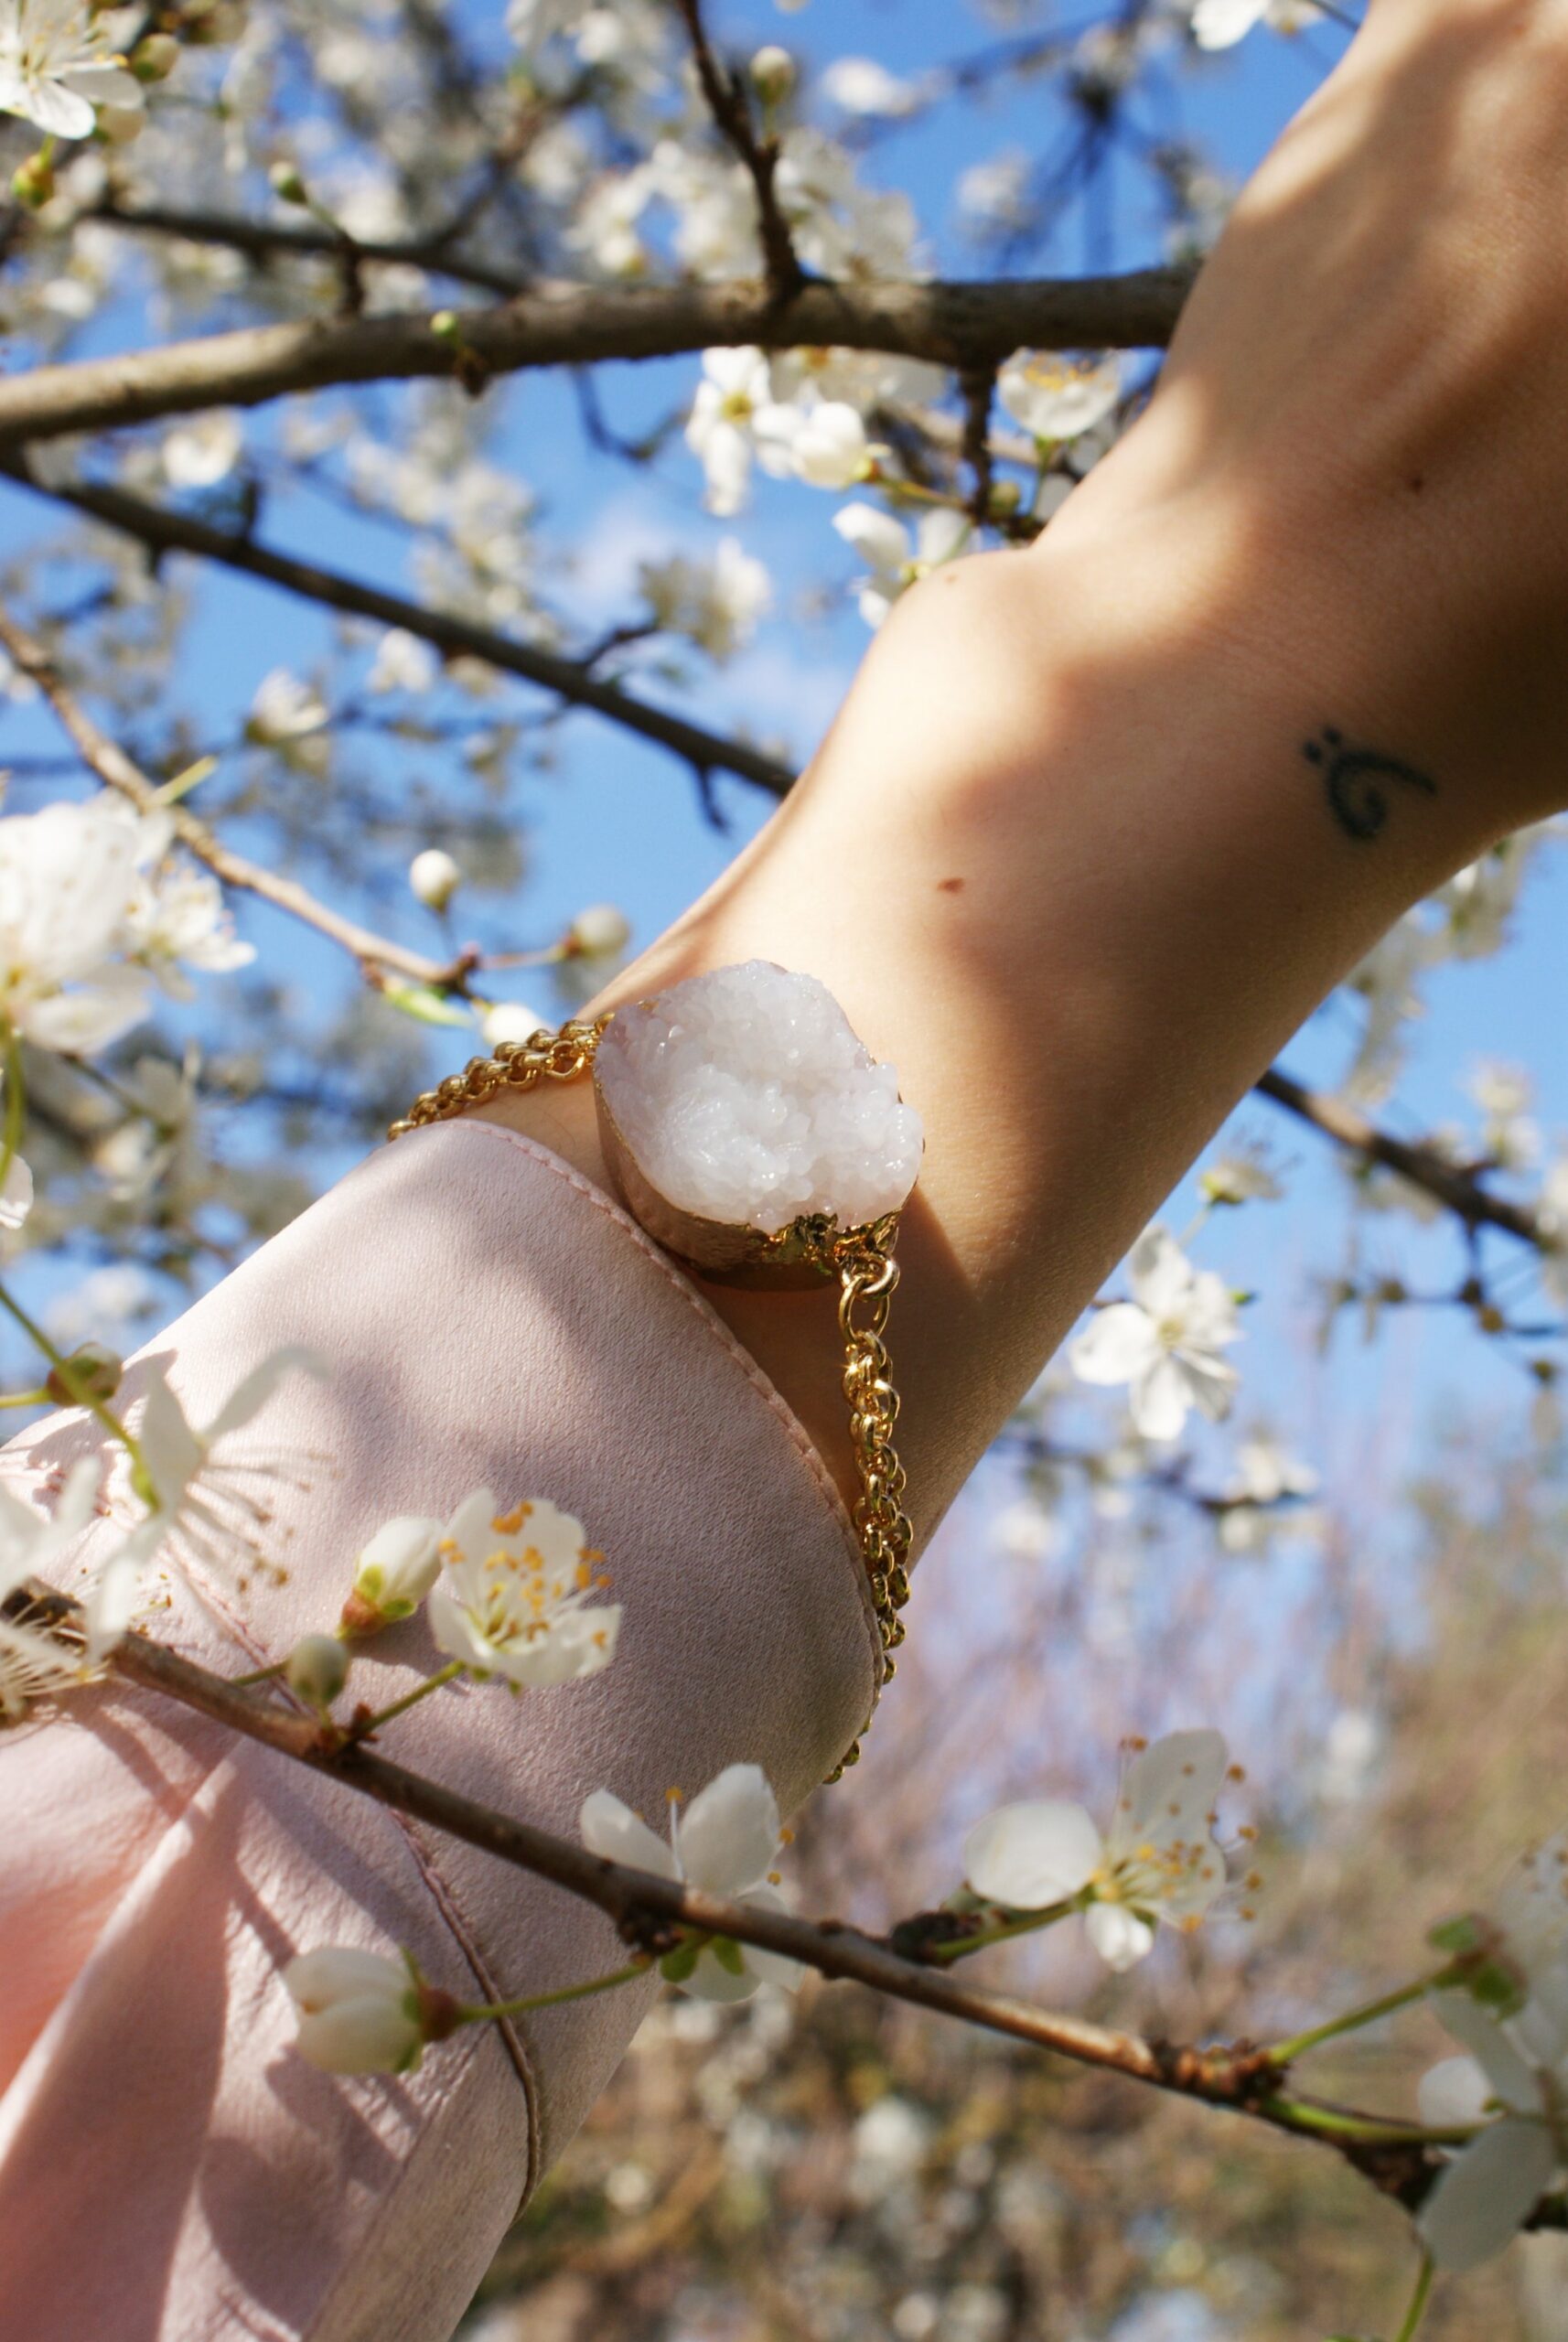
1062 856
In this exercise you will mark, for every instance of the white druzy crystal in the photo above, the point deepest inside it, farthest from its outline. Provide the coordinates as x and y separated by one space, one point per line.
746 1098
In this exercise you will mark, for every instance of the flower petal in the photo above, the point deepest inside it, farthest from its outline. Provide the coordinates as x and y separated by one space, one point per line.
773 1967
1029 1856
1161 1398
1488 2189
1169 1790
1452 2093
1117 1935
728 1835
1160 1273
612 1830
1509 2078
1117 1344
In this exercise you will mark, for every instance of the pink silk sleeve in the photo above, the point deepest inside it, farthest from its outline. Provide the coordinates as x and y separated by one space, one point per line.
171 2170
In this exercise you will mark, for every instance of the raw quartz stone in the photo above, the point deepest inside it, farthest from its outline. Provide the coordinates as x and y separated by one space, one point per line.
746 1098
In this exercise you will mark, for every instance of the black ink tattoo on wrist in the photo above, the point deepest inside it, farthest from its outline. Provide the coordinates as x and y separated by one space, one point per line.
1354 782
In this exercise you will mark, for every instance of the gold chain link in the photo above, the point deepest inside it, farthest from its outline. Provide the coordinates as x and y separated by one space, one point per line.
862 1258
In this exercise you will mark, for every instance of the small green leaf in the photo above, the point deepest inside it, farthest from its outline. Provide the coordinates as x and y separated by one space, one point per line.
1465 1933
431 1007
728 1954
677 1965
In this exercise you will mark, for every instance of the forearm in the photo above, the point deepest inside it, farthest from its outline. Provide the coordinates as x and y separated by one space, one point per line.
1065 861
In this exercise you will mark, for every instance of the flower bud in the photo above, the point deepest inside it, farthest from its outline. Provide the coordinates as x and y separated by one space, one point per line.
33 183
510 1020
361 2014
598 932
91 1372
121 125
773 74
434 877
154 57
318 1669
286 183
396 1571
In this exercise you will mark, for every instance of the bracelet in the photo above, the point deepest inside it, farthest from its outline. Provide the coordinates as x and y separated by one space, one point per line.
804 1249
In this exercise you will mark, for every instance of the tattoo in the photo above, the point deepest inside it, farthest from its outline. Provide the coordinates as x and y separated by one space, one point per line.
1354 780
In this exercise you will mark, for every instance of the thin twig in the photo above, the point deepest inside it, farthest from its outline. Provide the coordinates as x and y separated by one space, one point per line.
954 324
116 770
454 637
725 93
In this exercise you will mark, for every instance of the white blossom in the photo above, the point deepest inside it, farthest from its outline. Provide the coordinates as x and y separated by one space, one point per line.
403 662
599 932
202 449
434 879
1157 1861
861 85
509 1020
395 1570
67 877
827 444
734 418
32 1661
895 560
56 66
177 912
1056 398
201 1498
726 1842
284 708
1166 1342
1513 2081
515 1598
358 2011
1257 1499
715 603
1220 24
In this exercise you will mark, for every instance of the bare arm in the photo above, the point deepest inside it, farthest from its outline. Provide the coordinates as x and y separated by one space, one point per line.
1099 823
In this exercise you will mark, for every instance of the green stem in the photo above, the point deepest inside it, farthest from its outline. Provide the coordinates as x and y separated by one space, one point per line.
1283 2053
16 1106
1045 1918
25 1399
1418 2301
1328 2122
476 2016
96 1407
258 1675
366 1725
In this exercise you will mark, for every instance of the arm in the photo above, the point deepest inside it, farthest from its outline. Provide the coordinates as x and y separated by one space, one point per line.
1066 858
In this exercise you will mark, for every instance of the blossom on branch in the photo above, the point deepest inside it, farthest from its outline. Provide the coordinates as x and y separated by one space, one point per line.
1166 1342
734 418
358 2011
31 1662
897 562
1057 398
1157 1861
516 1598
396 1570
1513 2081
726 1842
202 1504
56 67
67 877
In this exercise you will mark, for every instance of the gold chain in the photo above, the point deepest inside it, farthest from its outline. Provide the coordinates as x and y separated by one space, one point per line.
862 1258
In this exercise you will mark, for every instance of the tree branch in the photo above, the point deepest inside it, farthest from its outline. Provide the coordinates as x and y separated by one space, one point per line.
962 325
1459 1190
453 637
269 240
650 1910
724 94
115 769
